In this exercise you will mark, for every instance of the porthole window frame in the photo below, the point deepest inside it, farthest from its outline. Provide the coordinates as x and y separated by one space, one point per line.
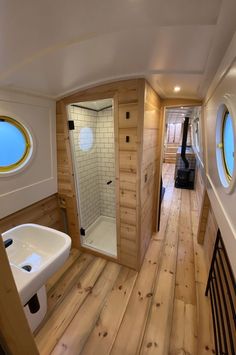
196 128
23 162
229 176
227 181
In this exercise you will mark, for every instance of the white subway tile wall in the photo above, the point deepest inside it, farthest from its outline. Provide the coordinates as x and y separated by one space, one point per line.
95 163
106 161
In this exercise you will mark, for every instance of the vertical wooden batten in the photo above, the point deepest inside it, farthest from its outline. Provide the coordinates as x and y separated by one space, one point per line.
149 166
15 334
204 211
117 170
140 125
66 183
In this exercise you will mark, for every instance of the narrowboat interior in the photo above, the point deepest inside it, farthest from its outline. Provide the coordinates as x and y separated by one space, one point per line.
117 177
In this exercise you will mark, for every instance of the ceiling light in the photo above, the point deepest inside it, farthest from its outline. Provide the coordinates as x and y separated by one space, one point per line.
176 88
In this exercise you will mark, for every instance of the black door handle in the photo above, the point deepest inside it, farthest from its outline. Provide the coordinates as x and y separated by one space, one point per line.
8 242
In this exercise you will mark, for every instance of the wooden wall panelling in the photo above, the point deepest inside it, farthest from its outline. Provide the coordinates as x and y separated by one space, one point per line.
128 216
151 150
128 139
128 198
45 212
210 236
199 185
128 170
131 110
128 181
128 161
128 231
140 128
161 138
15 334
204 211
66 184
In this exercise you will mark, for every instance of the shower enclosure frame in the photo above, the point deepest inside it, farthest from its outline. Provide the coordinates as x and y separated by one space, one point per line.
82 245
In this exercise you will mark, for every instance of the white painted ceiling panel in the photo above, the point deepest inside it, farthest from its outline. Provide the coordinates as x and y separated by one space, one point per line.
172 48
189 83
109 56
53 48
177 115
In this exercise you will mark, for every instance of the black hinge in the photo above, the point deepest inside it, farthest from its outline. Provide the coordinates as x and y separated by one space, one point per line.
82 231
127 115
71 125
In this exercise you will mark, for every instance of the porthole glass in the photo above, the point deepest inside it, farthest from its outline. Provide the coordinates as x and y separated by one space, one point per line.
228 144
86 138
15 144
196 129
225 143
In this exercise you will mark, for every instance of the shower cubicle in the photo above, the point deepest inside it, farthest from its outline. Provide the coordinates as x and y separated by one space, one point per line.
109 168
93 151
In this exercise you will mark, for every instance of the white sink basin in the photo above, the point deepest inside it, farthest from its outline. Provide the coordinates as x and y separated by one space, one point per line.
39 249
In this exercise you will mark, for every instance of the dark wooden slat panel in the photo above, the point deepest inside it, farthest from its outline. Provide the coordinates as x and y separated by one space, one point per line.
45 212
222 287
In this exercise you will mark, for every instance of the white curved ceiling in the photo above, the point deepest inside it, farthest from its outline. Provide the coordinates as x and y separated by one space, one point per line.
177 114
55 47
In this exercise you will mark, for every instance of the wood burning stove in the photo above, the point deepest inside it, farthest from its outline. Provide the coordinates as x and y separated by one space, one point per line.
185 176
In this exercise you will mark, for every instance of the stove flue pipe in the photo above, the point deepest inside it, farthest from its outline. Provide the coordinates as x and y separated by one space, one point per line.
184 143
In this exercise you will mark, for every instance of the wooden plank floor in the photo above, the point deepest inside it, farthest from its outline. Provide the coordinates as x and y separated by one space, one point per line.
99 307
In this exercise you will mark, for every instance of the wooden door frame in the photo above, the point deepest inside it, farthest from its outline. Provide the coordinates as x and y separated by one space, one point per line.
82 97
165 104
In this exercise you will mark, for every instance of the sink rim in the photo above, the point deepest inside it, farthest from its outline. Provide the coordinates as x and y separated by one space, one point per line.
35 226
28 283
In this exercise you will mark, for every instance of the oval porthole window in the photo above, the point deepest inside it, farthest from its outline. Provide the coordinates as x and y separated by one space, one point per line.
225 143
228 144
15 145
86 138
196 129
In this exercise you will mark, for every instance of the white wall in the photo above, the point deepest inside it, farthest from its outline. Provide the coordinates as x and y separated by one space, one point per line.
222 90
197 149
39 178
